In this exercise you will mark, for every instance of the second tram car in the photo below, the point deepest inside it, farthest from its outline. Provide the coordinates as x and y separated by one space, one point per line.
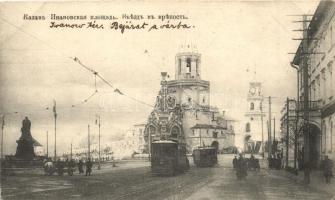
205 156
168 158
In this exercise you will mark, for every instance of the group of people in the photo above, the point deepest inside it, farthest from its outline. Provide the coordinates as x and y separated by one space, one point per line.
241 167
70 165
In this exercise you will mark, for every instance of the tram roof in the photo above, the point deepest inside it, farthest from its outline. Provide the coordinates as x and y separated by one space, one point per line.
164 142
205 147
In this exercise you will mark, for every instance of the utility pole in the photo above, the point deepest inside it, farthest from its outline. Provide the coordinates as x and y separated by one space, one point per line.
200 137
274 128
287 129
149 145
47 144
297 107
71 152
274 136
269 124
2 127
99 165
88 143
306 100
55 117
262 129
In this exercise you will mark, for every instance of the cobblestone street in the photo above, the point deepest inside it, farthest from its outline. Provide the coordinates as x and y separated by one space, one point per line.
133 180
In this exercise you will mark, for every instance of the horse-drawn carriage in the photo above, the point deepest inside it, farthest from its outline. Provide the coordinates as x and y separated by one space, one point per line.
60 167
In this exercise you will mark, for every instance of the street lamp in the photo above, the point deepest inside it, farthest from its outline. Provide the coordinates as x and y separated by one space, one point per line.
98 122
2 128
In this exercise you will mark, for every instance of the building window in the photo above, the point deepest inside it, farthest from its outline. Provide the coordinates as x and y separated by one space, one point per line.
318 87
188 65
324 135
215 134
324 84
207 132
252 106
331 136
179 65
330 81
313 91
247 127
331 36
221 133
193 132
175 132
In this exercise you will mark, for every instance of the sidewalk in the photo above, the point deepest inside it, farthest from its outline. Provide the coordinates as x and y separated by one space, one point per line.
316 180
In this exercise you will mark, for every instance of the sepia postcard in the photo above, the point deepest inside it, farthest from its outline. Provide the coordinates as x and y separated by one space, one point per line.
196 100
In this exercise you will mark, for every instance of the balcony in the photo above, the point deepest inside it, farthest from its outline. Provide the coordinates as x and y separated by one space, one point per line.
313 106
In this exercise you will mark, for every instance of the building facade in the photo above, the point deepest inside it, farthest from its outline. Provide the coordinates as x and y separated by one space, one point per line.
183 111
319 55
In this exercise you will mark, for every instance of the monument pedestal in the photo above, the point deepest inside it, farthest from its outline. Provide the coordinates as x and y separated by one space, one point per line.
25 149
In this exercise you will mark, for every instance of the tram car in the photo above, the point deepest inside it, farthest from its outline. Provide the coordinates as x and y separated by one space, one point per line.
168 158
205 156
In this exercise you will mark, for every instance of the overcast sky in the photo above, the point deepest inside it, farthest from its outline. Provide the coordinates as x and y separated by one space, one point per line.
234 39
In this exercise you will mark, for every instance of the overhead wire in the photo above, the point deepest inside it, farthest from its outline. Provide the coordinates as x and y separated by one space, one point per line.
95 73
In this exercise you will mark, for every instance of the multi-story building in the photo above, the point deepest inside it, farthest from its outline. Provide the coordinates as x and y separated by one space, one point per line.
319 55
183 110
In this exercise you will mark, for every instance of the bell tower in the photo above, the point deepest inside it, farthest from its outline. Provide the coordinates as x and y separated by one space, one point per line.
254 118
254 100
187 66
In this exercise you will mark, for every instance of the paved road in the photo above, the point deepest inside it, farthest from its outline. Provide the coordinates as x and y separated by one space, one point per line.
134 181
258 185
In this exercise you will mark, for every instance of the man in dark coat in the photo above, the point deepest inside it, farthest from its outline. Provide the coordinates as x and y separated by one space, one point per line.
80 167
235 162
241 170
89 166
327 169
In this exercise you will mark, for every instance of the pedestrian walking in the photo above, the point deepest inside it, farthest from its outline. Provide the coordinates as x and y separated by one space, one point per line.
80 167
235 162
60 167
241 170
89 166
70 167
327 169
